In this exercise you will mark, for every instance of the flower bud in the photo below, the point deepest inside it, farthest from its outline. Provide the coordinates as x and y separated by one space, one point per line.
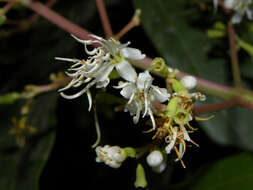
112 156
160 168
189 82
155 158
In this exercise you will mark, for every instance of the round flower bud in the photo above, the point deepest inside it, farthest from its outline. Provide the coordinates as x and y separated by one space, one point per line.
160 168
189 82
155 158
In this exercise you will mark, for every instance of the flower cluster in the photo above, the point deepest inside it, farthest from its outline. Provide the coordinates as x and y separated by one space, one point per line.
170 125
241 7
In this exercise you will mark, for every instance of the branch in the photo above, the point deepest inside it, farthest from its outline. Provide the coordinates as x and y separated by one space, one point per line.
216 107
104 18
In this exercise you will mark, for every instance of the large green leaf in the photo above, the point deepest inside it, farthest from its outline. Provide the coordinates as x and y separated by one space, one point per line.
184 45
234 172
21 167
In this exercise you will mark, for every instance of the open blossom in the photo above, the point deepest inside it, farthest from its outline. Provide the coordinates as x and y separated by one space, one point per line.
112 156
101 61
141 93
241 7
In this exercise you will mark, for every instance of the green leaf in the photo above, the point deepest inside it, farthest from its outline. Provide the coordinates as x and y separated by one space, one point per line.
234 172
21 168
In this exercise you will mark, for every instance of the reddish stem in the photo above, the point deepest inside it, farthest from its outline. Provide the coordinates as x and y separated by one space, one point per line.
216 107
104 18
59 20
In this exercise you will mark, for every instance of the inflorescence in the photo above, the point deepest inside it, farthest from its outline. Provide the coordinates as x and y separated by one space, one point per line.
170 121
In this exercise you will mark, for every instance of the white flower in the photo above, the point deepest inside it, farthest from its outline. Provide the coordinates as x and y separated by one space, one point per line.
141 93
112 156
155 158
241 7
101 61
189 82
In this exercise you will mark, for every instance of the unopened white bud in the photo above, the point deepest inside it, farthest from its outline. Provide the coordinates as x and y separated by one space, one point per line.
112 156
155 158
189 82
160 168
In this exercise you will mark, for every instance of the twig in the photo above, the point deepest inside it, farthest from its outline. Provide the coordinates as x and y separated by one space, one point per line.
104 18
233 55
216 107
135 21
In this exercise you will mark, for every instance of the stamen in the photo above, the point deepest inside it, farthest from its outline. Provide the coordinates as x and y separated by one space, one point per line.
67 59
97 129
89 99
185 133
88 42
131 98
121 85
79 93
204 119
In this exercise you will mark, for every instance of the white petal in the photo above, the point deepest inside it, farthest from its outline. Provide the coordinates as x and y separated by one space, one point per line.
103 72
132 53
132 108
236 18
159 94
128 90
249 14
144 80
229 4
103 84
126 71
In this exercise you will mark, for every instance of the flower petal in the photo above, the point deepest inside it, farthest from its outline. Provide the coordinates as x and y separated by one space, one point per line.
237 18
103 72
159 94
144 80
126 71
132 53
128 90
